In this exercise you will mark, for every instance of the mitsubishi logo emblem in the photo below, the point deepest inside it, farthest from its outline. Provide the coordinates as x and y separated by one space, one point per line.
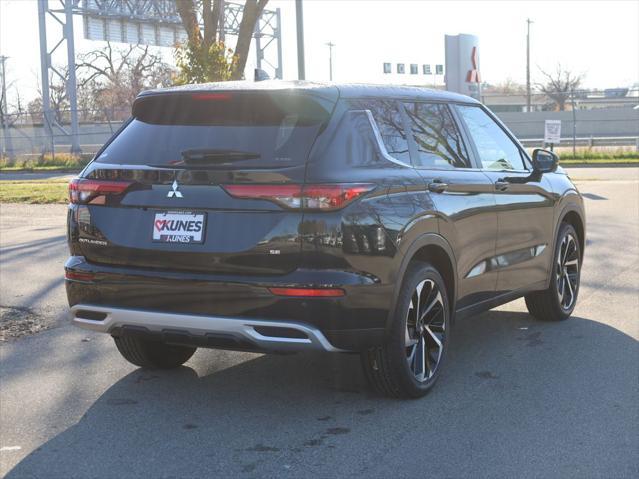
174 191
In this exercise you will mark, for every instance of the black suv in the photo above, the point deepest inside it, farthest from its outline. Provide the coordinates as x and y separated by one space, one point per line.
277 216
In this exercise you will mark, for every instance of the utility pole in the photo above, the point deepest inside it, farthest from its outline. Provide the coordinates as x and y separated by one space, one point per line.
330 46
221 22
47 116
71 82
528 100
299 18
7 147
574 123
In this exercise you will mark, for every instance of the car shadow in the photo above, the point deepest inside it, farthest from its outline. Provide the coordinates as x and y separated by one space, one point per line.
509 380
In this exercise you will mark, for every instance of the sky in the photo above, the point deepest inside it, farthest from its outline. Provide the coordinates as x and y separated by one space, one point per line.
599 39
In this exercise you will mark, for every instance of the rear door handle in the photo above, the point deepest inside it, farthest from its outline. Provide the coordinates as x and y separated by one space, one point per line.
501 185
437 186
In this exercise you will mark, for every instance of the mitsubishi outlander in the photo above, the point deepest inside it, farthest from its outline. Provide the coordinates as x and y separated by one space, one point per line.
292 216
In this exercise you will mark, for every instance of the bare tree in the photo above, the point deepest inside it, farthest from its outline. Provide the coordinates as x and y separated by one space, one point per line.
116 76
507 87
10 111
559 85
58 98
108 80
252 11
201 40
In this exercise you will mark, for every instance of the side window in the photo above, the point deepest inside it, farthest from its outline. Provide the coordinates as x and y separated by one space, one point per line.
437 138
389 121
495 148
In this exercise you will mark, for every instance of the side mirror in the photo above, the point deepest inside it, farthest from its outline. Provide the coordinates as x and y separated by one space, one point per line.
544 161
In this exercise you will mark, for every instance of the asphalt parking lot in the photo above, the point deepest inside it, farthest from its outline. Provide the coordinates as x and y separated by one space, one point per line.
517 398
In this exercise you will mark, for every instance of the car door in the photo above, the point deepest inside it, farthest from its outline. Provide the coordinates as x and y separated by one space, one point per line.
463 196
524 202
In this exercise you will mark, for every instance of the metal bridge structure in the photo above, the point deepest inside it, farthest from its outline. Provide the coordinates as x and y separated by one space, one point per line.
145 22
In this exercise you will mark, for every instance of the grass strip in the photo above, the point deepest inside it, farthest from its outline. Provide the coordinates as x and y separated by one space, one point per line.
34 191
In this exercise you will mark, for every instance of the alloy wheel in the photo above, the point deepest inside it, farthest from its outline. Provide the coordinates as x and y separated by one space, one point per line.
425 330
567 271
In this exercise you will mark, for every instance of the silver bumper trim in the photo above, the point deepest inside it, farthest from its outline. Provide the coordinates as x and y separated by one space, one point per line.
201 325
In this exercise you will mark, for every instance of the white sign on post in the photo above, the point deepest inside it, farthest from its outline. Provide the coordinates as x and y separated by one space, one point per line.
552 132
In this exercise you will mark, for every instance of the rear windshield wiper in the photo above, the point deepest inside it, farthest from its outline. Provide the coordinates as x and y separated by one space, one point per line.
208 156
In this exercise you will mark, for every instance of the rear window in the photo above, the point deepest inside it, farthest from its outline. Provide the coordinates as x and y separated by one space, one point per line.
220 129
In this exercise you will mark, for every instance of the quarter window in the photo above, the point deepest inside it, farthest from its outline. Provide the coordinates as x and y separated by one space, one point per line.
389 121
437 139
495 148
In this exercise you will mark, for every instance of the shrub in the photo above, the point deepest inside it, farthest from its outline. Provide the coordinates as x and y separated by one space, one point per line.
47 160
587 154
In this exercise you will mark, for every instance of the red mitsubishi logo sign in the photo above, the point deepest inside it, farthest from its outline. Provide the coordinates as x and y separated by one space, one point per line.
473 75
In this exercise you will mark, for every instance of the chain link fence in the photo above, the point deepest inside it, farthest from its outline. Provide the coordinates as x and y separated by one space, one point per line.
25 137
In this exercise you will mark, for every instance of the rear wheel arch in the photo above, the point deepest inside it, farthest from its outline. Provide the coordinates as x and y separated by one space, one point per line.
573 215
440 259
573 218
433 249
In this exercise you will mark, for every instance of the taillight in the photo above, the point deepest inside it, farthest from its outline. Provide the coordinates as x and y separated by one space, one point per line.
83 191
308 197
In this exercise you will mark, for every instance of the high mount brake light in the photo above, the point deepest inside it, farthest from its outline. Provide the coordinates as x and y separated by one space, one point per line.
83 191
211 96
307 197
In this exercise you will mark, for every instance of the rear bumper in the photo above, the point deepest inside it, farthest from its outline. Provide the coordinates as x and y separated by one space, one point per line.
206 307
244 334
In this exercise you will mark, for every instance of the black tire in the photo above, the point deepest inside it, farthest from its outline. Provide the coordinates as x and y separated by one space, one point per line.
393 368
152 354
552 304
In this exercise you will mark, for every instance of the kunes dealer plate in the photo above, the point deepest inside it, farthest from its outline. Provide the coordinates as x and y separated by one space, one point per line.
178 227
